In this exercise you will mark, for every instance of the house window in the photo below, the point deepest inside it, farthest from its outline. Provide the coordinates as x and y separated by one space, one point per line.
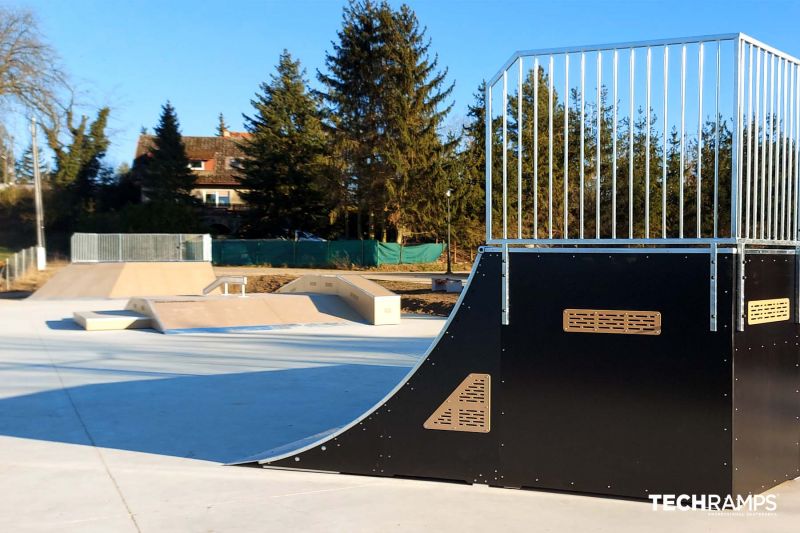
211 198
233 163
197 164
224 200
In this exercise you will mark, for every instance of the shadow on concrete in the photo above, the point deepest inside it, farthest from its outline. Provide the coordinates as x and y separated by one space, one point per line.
222 417
14 295
64 324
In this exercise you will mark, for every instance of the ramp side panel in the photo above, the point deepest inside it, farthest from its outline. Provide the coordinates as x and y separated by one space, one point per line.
617 414
391 440
765 392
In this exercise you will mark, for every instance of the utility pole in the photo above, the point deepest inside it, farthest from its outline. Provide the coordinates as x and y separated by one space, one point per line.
41 261
449 261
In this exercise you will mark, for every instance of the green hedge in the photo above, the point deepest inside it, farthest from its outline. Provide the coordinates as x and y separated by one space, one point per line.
320 254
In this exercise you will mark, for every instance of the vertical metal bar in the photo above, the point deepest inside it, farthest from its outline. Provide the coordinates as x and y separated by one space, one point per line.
776 191
488 151
614 149
647 148
796 156
504 295
666 142
682 140
519 150
771 143
784 177
536 148
735 153
583 117
712 253
716 140
764 153
630 145
790 192
599 115
740 272
566 147
505 155
756 145
699 199
550 156
748 185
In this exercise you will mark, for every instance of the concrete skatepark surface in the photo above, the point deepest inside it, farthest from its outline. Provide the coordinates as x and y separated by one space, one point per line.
126 430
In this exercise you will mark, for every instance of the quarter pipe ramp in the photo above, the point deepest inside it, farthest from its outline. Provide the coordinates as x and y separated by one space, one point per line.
605 380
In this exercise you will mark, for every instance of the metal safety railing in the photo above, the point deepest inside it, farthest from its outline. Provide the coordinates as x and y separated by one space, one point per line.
119 247
17 265
667 142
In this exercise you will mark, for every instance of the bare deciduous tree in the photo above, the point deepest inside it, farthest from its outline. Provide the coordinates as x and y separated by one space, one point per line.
29 68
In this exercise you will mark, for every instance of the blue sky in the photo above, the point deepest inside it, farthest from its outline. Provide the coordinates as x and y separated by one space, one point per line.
210 56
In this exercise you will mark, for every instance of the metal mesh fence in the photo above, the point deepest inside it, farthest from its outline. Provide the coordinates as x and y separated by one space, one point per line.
17 265
119 247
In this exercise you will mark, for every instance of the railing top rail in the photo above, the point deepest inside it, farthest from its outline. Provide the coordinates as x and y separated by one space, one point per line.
624 45
772 50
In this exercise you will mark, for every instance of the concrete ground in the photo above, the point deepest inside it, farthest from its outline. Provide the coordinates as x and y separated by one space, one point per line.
126 431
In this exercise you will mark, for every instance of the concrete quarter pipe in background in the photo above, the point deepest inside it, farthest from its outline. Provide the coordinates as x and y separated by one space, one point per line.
127 279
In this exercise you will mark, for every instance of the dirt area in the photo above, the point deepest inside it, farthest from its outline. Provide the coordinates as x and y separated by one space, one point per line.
414 297
267 283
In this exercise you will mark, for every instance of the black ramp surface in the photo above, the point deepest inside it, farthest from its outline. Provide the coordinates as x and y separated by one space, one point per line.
391 440
766 397
616 414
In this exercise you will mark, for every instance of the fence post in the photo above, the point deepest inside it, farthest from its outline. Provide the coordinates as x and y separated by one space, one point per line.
206 247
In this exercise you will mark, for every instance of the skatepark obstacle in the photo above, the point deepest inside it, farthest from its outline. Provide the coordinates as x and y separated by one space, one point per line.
650 349
313 299
126 280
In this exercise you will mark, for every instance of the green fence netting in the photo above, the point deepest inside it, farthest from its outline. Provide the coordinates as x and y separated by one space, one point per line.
341 254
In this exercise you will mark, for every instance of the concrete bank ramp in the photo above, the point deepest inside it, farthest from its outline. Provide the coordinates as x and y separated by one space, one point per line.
190 313
127 280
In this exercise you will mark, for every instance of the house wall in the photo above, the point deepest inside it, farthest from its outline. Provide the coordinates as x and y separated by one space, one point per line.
201 193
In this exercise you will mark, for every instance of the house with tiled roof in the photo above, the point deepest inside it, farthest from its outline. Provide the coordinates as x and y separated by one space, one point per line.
214 160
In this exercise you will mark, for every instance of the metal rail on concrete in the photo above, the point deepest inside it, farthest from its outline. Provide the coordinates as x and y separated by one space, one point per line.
224 281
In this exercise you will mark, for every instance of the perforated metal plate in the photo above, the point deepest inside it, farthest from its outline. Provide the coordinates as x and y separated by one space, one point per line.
466 409
762 311
612 321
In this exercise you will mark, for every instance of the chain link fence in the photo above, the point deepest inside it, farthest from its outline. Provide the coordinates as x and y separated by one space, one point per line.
120 247
17 265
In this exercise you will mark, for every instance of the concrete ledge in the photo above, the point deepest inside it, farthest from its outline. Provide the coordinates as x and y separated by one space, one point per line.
111 320
377 305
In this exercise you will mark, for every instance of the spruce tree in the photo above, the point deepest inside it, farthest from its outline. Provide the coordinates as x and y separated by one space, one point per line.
283 169
165 175
24 167
351 91
222 126
388 99
414 102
